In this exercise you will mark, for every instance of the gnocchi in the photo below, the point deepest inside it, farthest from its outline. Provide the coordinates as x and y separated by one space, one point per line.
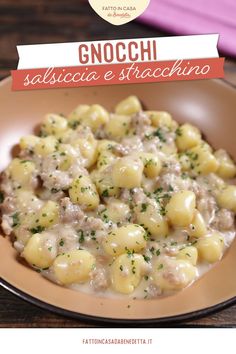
129 238
180 209
126 273
127 173
227 168
73 267
188 136
21 172
40 250
174 274
226 197
210 248
150 217
83 192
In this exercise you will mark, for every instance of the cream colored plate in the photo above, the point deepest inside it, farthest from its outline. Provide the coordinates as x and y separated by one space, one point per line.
211 105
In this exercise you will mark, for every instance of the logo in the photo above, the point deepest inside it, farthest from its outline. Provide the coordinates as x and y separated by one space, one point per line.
119 12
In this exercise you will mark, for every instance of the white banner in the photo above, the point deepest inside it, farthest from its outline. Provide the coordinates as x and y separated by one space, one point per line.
117 51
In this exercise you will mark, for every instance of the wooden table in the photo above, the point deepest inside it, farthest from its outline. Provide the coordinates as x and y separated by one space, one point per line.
42 21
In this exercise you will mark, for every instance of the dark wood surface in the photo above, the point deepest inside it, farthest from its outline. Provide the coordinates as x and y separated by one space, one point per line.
43 21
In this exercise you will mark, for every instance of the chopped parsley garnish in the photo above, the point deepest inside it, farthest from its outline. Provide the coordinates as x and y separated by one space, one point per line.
159 134
54 190
146 235
193 156
25 161
129 252
163 211
146 258
121 268
110 146
73 124
143 207
61 243
178 131
158 190
15 220
194 242
152 250
149 162
105 216
158 252
37 230
105 193
81 236
160 266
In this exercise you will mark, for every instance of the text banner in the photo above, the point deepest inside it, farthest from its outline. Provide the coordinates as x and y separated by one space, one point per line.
115 62
120 51
44 78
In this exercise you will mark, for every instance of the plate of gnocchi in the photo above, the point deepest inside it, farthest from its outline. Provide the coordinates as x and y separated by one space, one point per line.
118 203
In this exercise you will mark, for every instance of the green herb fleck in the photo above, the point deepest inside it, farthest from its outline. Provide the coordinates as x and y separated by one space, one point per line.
152 250
163 211
54 190
61 243
146 258
15 219
184 175
178 131
37 230
159 134
81 236
129 252
25 161
74 124
105 193
158 252
143 207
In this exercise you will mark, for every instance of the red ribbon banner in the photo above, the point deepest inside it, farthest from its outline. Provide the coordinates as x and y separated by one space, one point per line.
113 74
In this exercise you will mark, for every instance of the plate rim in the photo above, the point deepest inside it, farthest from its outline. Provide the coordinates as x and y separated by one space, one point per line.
97 320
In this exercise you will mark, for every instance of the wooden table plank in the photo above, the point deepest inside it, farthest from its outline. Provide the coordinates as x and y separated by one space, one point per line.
42 21
15 312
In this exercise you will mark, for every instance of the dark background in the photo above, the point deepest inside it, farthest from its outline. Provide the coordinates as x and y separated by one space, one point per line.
48 21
